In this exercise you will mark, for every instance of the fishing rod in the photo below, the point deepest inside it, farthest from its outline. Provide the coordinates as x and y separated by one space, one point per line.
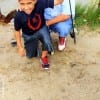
72 33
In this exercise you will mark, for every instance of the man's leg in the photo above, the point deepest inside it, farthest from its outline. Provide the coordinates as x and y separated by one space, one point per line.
63 29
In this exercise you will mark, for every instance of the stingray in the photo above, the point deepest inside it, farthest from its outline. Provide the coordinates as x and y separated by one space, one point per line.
6 19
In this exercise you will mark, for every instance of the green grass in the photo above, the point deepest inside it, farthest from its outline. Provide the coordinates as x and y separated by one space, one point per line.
89 16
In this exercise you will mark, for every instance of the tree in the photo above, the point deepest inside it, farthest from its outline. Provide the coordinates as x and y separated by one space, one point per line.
99 4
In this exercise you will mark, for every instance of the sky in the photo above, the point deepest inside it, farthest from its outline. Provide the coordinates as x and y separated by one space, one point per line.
7 5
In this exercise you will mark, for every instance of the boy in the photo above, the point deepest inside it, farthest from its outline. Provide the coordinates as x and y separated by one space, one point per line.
30 19
59 20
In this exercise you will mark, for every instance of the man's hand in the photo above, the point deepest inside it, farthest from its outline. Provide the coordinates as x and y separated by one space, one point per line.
57 19
21 51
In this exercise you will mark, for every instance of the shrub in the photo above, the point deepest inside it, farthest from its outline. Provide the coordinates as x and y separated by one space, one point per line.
89 15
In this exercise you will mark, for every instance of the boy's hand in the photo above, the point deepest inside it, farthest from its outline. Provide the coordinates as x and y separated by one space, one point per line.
21 51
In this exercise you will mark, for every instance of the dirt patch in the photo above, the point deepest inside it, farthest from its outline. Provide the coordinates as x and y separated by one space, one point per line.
74 74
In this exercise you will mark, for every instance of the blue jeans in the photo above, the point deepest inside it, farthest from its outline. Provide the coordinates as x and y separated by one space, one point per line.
62 28
31 42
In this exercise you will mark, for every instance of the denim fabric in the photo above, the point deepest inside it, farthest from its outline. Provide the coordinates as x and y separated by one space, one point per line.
62 28
31 42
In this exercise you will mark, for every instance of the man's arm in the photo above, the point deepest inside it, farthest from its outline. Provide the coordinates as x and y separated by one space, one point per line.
56 2
50 3
19 43
64 15
57 19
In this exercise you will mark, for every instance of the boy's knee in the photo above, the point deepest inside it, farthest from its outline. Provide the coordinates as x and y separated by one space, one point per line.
32 54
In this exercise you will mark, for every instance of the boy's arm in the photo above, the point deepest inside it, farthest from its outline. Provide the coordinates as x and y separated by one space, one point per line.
57 19
21 50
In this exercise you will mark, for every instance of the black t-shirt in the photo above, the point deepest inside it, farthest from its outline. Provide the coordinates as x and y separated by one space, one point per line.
33 22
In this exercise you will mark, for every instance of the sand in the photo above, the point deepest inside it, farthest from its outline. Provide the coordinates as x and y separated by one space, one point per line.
74 73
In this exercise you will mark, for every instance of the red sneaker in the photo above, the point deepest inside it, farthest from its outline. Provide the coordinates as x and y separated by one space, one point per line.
44 62
62 43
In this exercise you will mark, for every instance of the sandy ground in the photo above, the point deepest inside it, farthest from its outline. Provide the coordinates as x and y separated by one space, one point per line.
74 74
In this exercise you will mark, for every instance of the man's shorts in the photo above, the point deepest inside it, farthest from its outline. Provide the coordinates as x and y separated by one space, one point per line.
62 28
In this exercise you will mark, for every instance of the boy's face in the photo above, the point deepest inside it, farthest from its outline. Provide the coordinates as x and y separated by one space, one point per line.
27 5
